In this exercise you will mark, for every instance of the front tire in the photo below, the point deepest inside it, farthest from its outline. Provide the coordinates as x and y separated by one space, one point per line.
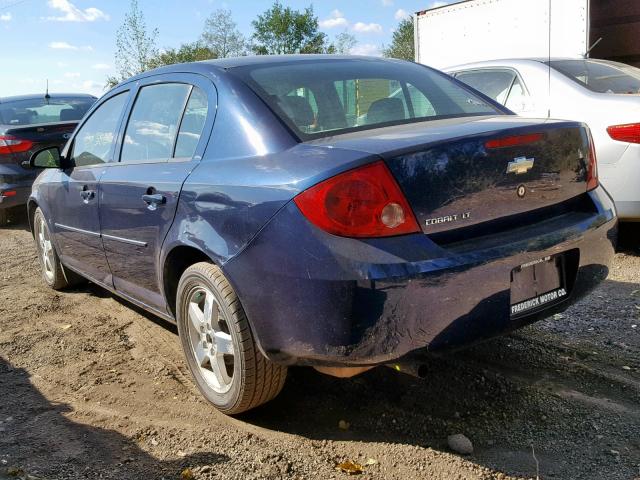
53 273
216 338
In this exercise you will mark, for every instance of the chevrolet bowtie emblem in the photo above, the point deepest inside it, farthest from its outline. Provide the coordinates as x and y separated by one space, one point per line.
520 165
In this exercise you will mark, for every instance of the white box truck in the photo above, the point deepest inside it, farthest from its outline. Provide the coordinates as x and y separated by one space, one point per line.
476 30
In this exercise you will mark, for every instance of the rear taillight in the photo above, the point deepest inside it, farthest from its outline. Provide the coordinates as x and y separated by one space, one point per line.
364 202
10 144
592 166
629 133
513 141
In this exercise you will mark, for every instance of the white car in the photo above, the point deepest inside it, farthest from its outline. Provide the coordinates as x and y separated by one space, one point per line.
603 94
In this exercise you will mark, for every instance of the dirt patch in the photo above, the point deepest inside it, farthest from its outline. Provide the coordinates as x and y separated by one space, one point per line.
92 388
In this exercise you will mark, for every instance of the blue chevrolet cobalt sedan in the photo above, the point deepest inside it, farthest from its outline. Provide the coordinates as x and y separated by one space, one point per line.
337 212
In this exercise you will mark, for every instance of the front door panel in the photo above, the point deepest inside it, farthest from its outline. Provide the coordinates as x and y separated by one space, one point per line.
77 223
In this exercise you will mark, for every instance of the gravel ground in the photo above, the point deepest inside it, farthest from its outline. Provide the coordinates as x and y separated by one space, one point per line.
93 388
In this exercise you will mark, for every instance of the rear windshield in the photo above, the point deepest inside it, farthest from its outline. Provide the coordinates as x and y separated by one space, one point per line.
599 76
42 110
327 97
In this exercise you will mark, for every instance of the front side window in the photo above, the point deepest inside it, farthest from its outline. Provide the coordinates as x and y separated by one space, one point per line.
153 123
94 141
600 77
44 110
336 96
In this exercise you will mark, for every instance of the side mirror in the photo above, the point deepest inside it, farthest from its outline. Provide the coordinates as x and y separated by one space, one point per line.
46 158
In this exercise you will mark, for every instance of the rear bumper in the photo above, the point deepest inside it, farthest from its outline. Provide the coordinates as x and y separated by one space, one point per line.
14 178
19 198
621 180
318 299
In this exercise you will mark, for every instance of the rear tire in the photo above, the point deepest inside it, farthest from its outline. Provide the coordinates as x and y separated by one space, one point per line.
218 344
4 217
53 272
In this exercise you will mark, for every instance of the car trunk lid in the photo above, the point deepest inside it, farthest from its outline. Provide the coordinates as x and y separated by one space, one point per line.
467 172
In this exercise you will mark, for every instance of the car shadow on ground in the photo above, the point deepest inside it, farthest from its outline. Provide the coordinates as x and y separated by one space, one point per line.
629 238
18 219
38 435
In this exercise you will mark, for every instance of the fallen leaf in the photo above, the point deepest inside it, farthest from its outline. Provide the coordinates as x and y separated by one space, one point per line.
558 316
66 326
370 461
350 467
15 472
187 474
343 425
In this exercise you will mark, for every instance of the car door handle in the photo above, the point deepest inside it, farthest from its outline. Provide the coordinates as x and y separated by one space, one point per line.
87 195
154 199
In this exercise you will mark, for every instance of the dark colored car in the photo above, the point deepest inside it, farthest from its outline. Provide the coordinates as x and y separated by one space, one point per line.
29 123
339 212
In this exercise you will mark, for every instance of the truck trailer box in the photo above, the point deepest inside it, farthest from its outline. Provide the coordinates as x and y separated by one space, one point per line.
476 30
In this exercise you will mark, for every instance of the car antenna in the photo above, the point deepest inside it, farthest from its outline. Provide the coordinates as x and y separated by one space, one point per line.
586 54
549 67
46 95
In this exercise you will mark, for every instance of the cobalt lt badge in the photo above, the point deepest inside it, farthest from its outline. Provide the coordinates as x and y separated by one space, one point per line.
520 165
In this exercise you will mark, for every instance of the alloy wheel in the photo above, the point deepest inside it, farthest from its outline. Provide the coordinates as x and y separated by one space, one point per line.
46 250
210 339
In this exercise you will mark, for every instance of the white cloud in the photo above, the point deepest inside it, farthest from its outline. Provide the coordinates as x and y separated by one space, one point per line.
101 66
68 46
401 14
335 20
367 27
62 46
5 17
366 49
387 3
438 4
72 75
75 14
61 64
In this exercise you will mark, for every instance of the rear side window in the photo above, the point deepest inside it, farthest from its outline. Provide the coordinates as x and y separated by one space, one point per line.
93 143
599 76
153 124
43 110
327 97
192 124
495 84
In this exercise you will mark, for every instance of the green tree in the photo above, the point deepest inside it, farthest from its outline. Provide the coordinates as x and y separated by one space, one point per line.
221 35
402 42
282 30
344 43
187 52
135 45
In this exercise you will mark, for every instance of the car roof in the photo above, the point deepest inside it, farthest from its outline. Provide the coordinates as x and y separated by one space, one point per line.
236 62
517 61
36 96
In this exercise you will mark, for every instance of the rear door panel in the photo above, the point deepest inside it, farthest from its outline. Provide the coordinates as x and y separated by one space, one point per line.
132 229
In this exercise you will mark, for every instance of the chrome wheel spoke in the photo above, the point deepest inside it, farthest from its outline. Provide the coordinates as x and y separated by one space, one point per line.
196 316
224 343
219 368
202 355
